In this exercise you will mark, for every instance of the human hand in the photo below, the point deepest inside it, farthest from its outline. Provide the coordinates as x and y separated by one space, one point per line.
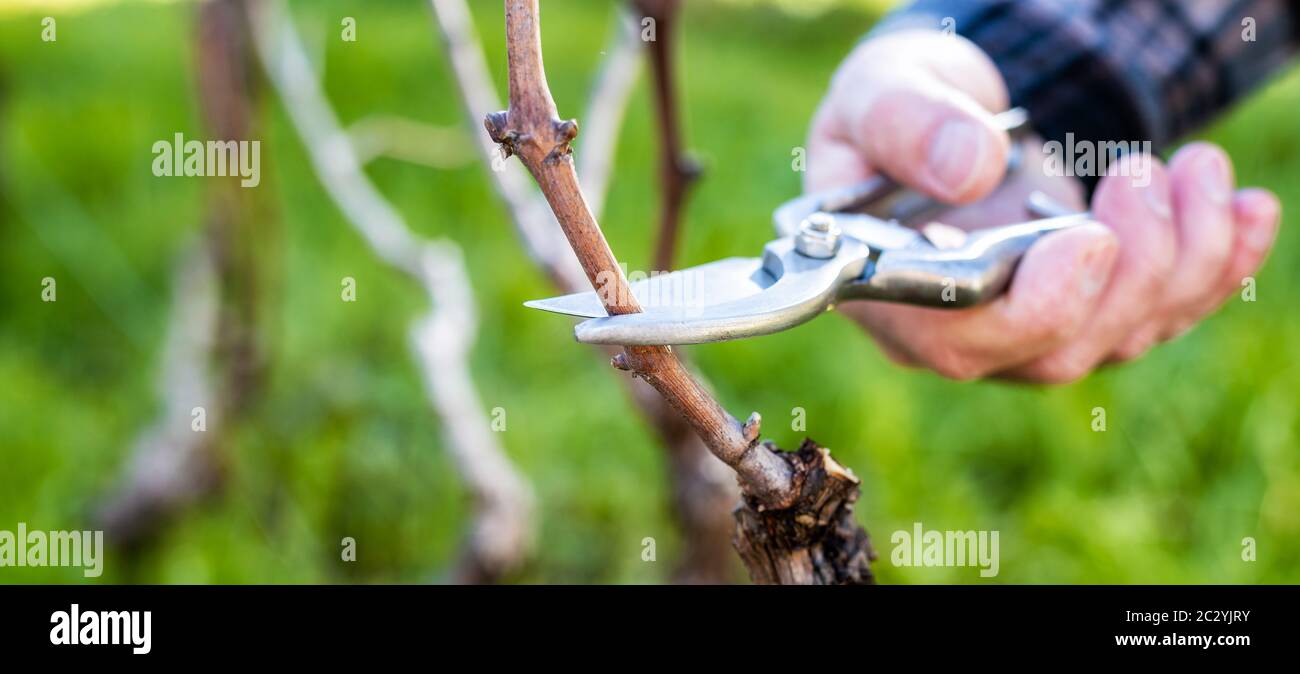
1168 245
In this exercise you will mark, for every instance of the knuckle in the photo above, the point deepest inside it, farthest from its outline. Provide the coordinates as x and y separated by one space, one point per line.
1178 328
1127 352
895 355
1047 317
1136 345
1153 264
1212 253
1051 318
953 363
1186 297
1055 331
1060 367
957 371
893 104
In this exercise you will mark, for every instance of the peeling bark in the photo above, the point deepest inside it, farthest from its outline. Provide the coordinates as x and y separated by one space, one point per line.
813 541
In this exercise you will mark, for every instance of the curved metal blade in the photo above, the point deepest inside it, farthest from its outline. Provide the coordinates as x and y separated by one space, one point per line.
804 288
690 289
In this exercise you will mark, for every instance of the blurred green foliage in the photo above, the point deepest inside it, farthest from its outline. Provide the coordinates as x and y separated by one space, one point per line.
1200 451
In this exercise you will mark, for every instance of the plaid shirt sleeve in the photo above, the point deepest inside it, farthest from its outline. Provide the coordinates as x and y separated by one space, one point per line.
1120 70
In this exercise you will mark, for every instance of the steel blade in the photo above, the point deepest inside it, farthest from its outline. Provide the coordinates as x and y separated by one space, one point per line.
686 290
806 288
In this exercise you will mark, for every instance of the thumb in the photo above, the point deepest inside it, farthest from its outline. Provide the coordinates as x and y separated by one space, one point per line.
929 136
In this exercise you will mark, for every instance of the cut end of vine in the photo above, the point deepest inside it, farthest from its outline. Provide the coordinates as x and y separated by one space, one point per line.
815 540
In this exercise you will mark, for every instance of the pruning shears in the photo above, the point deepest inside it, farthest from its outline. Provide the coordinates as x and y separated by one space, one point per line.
870 241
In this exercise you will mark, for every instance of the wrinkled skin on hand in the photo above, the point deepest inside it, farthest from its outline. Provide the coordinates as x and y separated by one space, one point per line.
1168 246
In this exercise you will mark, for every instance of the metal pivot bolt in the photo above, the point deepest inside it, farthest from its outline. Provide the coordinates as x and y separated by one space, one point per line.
818 237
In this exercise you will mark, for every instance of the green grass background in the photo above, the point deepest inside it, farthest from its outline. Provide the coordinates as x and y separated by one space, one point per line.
1200 451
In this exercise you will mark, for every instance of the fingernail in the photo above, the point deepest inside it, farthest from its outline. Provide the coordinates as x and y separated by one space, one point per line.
955 152
1259 234
1156 194
1095 267
1212 176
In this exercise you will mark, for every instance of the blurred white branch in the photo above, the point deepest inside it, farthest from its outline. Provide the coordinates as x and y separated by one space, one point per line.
410 141
605 107
532 218
170 462
502 537
704 489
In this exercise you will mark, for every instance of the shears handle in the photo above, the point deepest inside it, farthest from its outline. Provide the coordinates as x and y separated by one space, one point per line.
910 267
975 272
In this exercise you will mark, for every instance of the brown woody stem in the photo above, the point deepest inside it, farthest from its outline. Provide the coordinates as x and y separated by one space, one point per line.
704 490
816 541
676 171
796 523
531 129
